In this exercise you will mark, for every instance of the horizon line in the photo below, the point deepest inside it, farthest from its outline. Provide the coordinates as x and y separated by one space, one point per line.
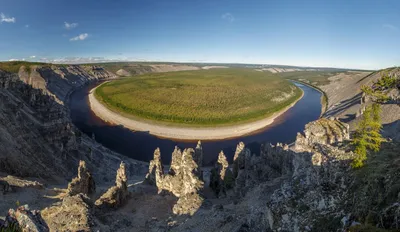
188 62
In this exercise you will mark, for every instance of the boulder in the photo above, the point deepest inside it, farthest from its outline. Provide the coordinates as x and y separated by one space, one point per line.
72 214
322 131
188 204
24 219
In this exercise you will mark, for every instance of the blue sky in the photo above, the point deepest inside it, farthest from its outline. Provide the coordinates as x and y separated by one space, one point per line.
337 33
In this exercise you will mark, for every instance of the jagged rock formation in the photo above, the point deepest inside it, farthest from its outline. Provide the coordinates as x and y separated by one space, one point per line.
72 214
24 220
83 183
198 158
116 195
183 179
156 169
221 178
322 131
282 191
240 160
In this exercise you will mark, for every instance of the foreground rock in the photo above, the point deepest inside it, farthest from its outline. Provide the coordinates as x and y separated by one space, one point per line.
24 220
116 195
72 214
83 183
322 131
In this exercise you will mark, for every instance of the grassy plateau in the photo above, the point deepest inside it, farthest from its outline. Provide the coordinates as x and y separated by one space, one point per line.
199 98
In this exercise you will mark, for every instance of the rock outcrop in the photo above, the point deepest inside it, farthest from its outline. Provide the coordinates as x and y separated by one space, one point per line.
83 183
25 220
72 214
156 169
183 179
116 195
221 178
198 158
322 131
241 160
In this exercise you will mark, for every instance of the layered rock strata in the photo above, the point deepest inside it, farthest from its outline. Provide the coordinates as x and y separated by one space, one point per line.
37 138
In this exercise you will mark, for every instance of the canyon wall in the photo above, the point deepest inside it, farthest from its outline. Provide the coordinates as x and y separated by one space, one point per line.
36 134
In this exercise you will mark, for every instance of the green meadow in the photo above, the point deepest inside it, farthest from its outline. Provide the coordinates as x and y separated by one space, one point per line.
199 98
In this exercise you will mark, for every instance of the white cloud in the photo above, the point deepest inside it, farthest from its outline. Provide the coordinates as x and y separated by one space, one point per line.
32 57
390 27
85 60
228 16
80 37
70 25
13 60
3 18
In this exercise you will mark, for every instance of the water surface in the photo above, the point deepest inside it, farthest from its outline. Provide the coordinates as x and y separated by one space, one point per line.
141 145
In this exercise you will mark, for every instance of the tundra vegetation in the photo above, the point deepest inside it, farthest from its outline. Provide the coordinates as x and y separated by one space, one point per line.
201 97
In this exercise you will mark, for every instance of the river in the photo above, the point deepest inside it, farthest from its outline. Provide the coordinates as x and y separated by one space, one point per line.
141 145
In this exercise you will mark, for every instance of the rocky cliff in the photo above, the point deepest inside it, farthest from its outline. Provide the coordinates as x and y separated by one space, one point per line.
59 81
36 134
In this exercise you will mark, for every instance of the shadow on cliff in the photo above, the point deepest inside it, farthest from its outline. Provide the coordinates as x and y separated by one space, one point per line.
344 105
392 130
39 131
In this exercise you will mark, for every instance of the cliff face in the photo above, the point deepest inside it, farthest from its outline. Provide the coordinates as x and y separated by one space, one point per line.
37 137
59 81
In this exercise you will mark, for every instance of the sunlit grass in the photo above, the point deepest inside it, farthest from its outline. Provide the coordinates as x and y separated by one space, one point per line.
204 97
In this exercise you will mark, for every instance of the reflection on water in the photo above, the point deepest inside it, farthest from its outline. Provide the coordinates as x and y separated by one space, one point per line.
141 145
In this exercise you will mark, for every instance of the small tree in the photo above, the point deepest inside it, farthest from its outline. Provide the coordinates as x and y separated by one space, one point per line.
360 141
368 134
376 127
386 82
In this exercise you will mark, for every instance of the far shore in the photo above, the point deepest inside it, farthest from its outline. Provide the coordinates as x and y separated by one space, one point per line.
183 133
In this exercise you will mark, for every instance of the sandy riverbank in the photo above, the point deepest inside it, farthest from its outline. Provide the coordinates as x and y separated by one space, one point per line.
182 133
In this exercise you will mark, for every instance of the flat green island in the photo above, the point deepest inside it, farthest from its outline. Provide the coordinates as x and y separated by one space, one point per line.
213 97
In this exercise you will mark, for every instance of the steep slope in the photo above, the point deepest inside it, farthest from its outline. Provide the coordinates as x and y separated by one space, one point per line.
36 134
344 94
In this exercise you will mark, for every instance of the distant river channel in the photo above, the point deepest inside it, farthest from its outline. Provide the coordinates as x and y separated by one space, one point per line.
141 145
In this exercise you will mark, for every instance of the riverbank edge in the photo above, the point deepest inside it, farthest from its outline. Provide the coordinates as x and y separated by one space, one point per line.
183 133
324 96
